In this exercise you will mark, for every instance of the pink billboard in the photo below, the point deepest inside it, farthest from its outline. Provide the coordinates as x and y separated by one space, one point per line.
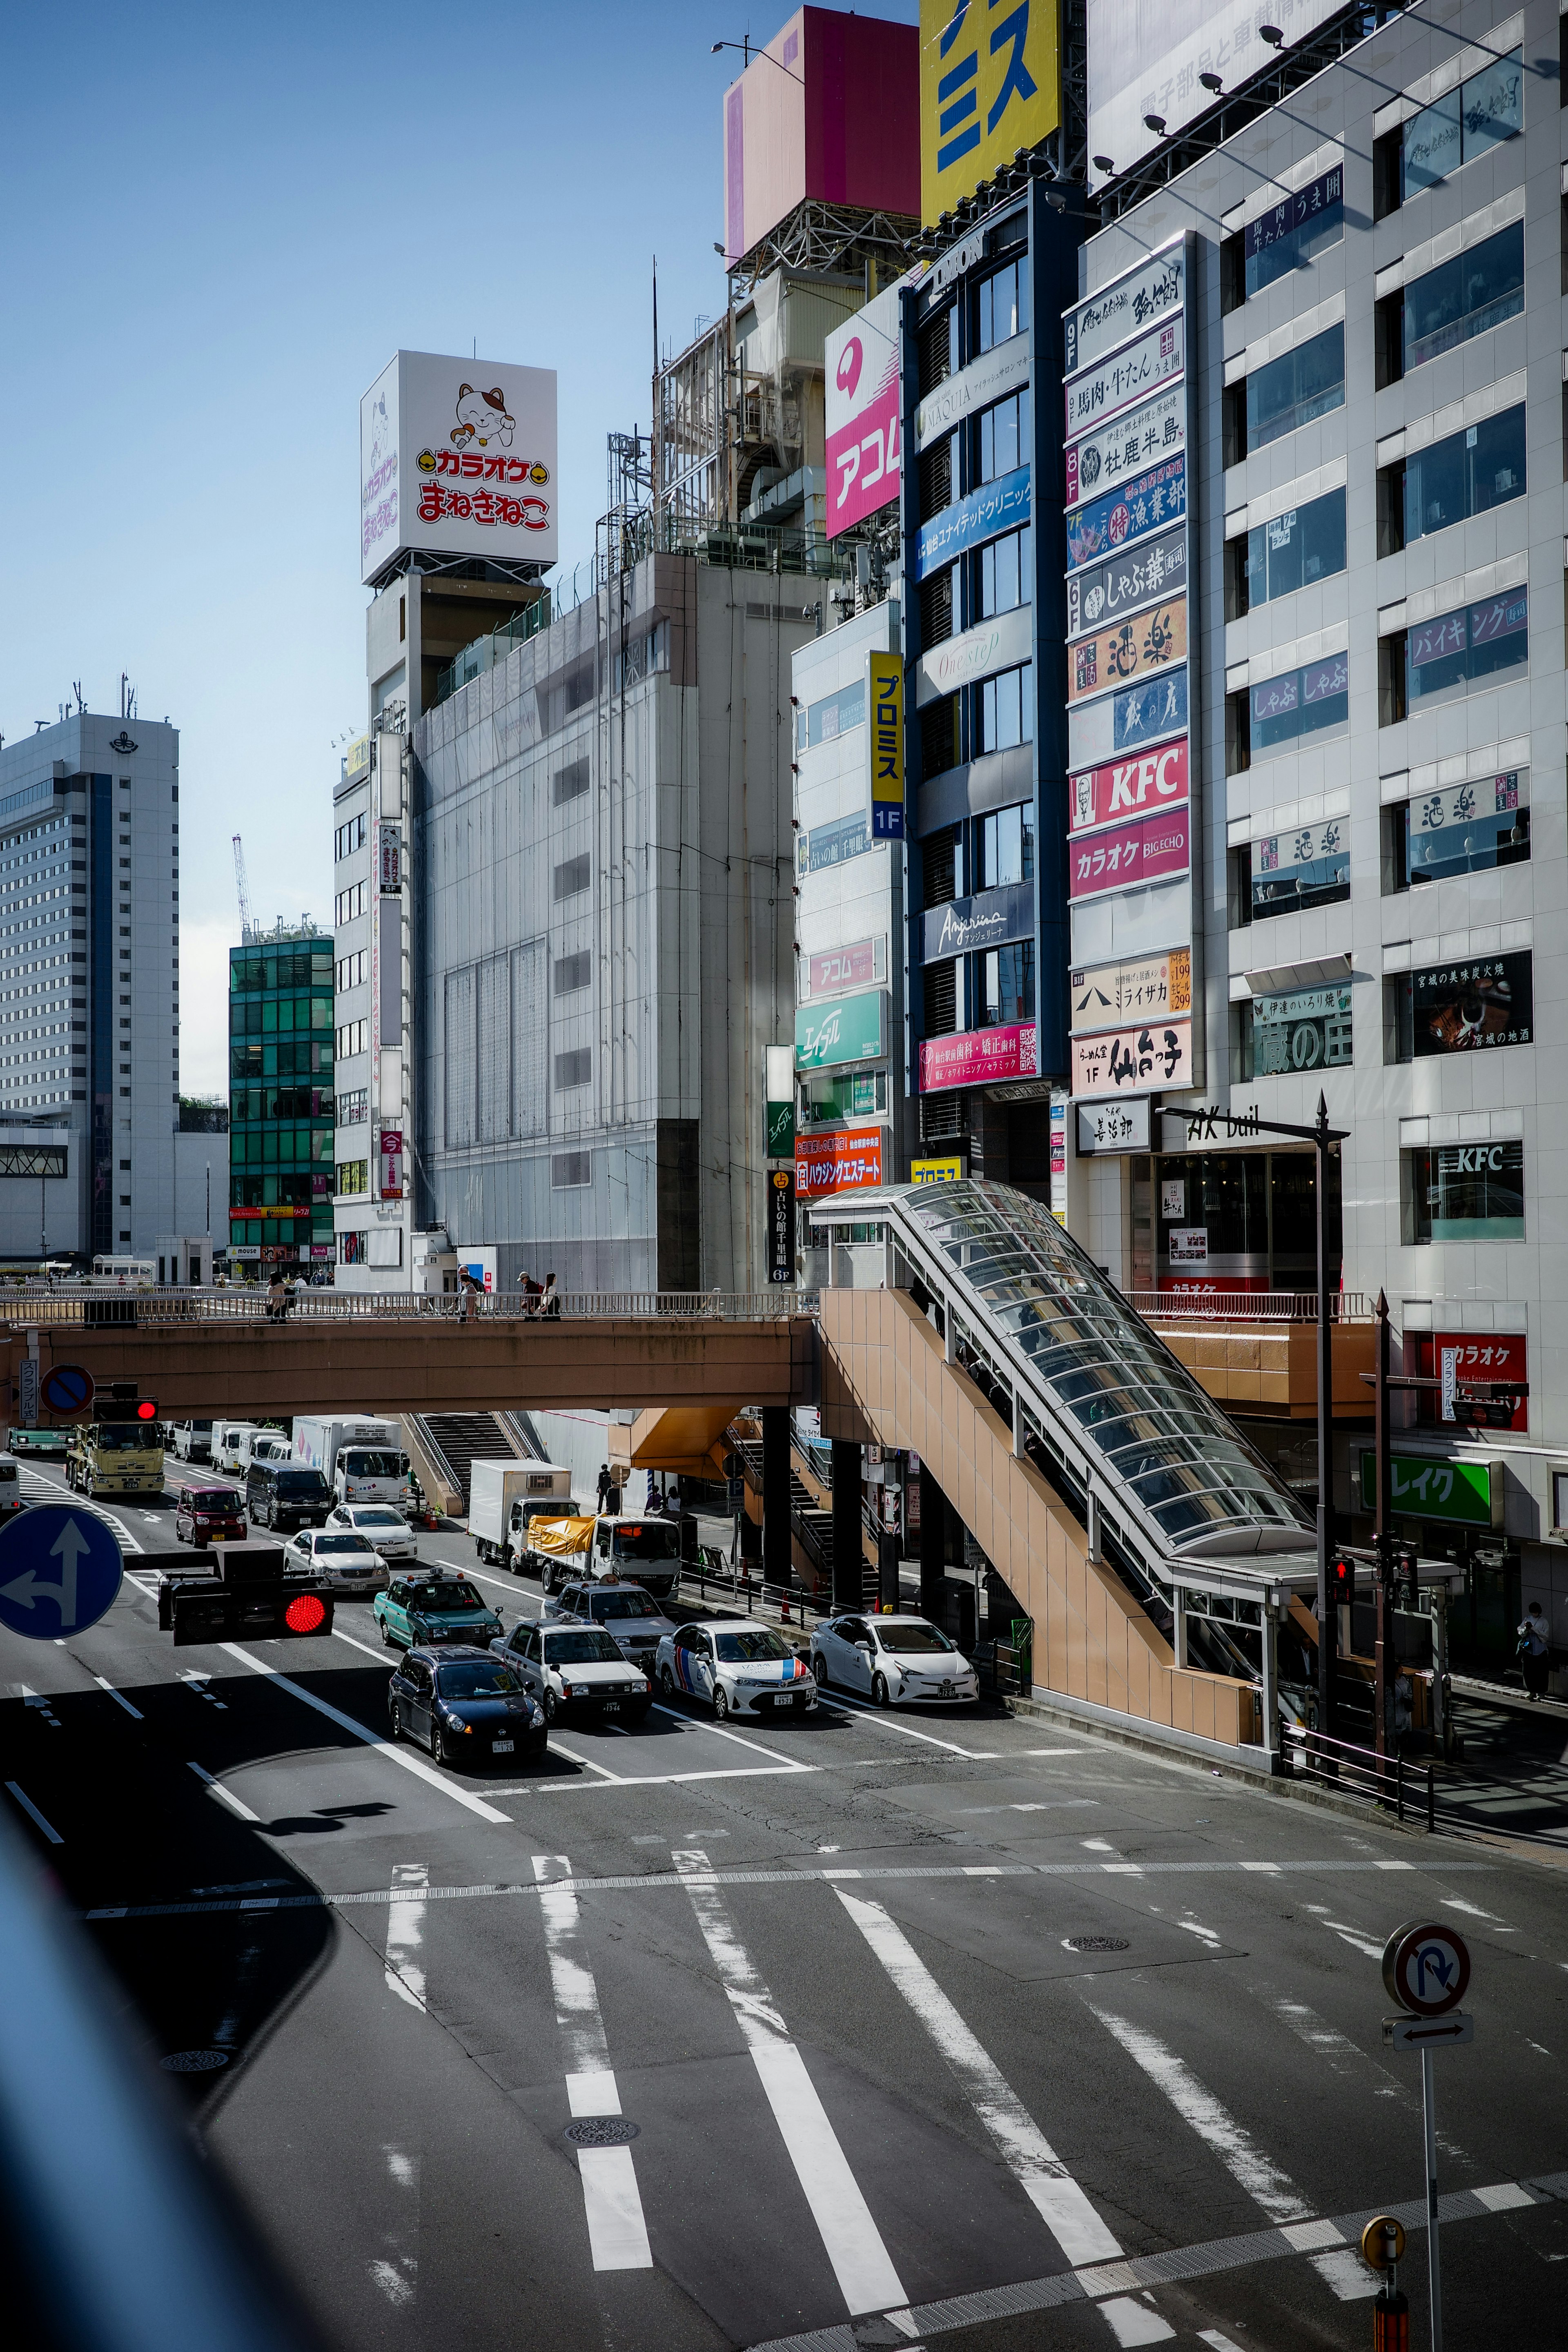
1124 856
1145 780
830 111
862 412
979 1058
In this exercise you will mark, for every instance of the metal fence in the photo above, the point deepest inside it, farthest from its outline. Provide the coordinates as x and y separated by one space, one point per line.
154 1309
1407 1787
1250 1306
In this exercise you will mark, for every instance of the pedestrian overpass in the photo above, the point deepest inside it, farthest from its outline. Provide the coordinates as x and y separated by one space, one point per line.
1153 1550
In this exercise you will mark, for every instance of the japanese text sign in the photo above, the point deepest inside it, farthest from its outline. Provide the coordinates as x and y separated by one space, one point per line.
862 413
1133 1060
990 83
1123 856
457 457
1154 641
1126 377
845 1160
1150 436
978 1058
885 744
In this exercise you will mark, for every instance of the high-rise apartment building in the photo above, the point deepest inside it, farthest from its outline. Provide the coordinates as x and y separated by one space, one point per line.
280 1100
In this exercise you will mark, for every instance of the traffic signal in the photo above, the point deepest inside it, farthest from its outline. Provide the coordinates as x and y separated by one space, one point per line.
126 1396
240 1594
146 1409
1342 1578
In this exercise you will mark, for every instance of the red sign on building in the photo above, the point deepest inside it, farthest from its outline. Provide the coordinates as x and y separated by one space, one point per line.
1479 1358
1129 787
1124 855
844 1160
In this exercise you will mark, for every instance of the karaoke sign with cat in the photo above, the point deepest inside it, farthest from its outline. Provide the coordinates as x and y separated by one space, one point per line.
457 457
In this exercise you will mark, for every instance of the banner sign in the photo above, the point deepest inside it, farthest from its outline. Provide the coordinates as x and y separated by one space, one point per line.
1002 370
850 1029
1149 438
1133 577
844 1160
1420 1488
1125 378
989 85
1309 1029
982 921
978 1058
781 1226
779 1131
1111 1127
1127 719
991 646
885 744
1133 1060
1156 778
389 841
985 514
936 1171
830 844
1459 1008
1105 321
1469 1360
854 966
1125 855
1156 640
391 1164
862 397
1150 988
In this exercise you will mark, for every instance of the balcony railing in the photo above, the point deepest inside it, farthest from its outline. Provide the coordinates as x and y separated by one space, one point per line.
1249 1306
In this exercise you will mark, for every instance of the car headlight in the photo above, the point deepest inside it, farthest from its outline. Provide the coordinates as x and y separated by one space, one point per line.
455 1723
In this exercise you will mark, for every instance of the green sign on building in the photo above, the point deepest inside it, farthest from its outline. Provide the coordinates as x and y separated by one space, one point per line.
1467 1494
849 1029
781 1130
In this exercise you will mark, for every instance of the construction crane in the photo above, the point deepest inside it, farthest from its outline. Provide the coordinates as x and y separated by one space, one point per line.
247 923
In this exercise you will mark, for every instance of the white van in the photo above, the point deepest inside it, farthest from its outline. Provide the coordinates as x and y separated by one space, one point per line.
268 1446
193 1441
230 1439
10 1486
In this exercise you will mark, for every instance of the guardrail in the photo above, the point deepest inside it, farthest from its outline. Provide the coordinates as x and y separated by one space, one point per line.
1361 1772
154 1309
1250 1306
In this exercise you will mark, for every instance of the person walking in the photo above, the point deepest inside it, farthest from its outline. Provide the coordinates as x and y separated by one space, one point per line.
467 1298
532 1293
550 1300
277 1298
1534 1651
604 1486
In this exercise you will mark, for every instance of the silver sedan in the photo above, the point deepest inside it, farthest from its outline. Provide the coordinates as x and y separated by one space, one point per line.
349 1563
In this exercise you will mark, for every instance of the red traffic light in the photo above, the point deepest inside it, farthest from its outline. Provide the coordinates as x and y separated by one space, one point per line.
1341 1575
146 1409
305 1613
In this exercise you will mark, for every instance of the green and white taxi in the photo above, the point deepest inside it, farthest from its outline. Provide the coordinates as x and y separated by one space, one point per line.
435 1606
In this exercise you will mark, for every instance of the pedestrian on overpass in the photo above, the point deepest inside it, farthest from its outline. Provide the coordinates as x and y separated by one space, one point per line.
467 1298
533 1292
277 1297
1534 1651
549 1298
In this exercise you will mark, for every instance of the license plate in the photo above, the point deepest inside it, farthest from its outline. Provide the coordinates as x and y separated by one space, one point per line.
781 1698
612 1706
501 1747
947 1690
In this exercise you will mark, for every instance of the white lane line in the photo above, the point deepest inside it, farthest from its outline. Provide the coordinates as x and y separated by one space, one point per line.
1134 2321
1040 2171
383 1747
861 2262
719 1732
612 2203
28 1806
380 1656
406 1932
32 1699
58 1491
226 1796
197 1683
120 1699
1248 2165
655 1780
586 1762
889 1723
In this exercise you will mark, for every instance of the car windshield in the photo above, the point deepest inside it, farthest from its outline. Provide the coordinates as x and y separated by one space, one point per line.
200 1428
647 1542
474 1679
340 1543
587 1648
301 1485
127 1437
358 1461
376 1519
751 1642
437 1599
606 1605
213 1498
903 1639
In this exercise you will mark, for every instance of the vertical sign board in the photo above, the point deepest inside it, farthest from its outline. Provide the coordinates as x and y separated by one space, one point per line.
989 85
885 744
1131 612
781 1226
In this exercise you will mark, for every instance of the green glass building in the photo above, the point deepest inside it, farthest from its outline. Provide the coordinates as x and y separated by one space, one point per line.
280 1100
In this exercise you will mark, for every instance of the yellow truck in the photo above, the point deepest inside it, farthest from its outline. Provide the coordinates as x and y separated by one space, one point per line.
116 1457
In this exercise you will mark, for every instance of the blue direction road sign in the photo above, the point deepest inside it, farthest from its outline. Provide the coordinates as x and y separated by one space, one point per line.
60 1572
67 1388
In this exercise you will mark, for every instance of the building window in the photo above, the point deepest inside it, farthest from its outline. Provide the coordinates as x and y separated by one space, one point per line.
574 1069
350 1249
1299 702
938 349
939 736
1001 439
1463 830
1001 305
573 971
1464 1193
353 1176
568 783
1462 124
349 836
28 1159
939 981
573 877
939 867
1459 1008
1477 289
1292 233
352 1038
934 476
1289 872
1004 575
936 608
1003 709
1451 480
349 904
1003 848
569 1168
351 972
1457 648
1307 1029
1291 551
1007 984
1294 388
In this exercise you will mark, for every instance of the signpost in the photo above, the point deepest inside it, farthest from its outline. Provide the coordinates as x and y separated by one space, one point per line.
68 1388
60 1572
1427 1969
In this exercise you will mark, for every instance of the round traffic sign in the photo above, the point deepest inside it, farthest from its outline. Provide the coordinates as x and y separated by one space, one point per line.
67 1388
1382 2241
1426 1969
60 1571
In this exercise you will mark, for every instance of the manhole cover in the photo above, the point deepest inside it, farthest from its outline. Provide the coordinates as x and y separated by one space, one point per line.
194 2061
601 2131
1096 1944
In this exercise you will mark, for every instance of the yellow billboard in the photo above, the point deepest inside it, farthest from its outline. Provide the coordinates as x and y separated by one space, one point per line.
885 744
990 83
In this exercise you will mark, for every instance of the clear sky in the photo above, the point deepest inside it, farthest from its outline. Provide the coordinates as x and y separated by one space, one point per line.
220 224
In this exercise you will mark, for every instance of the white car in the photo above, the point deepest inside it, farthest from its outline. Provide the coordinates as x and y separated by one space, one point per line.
631 1617
738 1666
349 1563
574 1668
386 1529
896 1661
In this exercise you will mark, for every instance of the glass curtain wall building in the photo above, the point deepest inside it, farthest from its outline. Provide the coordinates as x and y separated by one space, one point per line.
281 1101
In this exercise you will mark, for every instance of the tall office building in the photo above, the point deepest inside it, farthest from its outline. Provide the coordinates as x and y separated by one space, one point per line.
89 987
280 1100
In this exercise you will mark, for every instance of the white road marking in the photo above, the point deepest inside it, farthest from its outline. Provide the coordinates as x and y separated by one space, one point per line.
31 1698
1217 2342
120 1699
406 1932
1248 2165
652 1780
380 1656
861 2262
586 1762
197 1683
617 2233
1132 2322
226 1795
376 1739
721 1732
396 2274
56 1490
889 1723
1040 2171
28 1806
1474 1911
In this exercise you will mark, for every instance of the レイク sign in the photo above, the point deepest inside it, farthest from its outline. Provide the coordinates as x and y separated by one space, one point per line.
862 413
979 1058
1151 780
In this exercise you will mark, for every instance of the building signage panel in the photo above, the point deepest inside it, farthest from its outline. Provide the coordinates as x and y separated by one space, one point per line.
1000 506
391 1164
1309 1029
993 646
1130 448
1127 377
830 844
862 412
850 1029
843 1160
1459 1008
1293 212
781 1226
1110 1127
457 457
1002 370
1187 1245
988 86
778 1132
978 1058
936 1171
1470 1364
1126 720
389 844
1124 856
1150 988
1420 1488
1156 641
1149 780
1110 319
1133 1060
985 921
1153 502
885 744
855 966
1146 58
1128 580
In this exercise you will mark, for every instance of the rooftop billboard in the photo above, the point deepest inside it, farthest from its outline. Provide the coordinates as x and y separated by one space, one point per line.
864 449
1145 56
457 457
828 109
989 85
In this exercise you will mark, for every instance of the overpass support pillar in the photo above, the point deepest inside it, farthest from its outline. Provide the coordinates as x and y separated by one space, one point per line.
933 1544
778 1565
849 1558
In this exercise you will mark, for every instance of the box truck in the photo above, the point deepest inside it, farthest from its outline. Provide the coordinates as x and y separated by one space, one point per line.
644 1551
361 1458
503 1497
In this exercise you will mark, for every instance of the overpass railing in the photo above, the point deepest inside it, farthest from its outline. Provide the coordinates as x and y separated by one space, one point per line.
155 1310
1248 1306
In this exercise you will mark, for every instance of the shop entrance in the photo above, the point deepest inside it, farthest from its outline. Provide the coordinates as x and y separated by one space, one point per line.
1212 1222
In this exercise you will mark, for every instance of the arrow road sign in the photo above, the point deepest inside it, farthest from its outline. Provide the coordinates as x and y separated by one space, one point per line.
60 1572
1426 1969
1429 2032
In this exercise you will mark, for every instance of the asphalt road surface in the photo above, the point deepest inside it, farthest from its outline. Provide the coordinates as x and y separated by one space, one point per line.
877 2030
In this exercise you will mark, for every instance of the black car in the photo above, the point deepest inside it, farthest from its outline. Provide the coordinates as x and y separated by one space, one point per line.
288 1496
466 1706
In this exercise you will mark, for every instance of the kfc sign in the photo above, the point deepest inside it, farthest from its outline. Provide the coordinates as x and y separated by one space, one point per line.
1151 780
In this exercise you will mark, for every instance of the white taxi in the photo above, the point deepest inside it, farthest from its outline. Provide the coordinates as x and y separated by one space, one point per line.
738 1666
349 1563
896 1661
573 1667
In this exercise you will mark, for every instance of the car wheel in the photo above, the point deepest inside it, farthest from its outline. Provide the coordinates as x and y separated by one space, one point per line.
395 1714
721 1701
438 1746
818 1669
551 1707
666 1682
880 1690
385 1636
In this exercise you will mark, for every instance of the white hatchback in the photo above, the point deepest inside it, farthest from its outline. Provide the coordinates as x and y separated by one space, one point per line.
739 1666
348 1562
384 1529
896 1661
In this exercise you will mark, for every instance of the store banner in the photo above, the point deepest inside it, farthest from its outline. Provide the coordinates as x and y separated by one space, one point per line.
936 1171
1137 450
781 1226
1003 370
985 513
1151 780
1127 377
1110 319
1127 719
844 1160
862 412
885 744
985 921
1472 1364
1153 502
1463 1007
1308 1029
850 1029
1156 642
391 1164
854 966
1112 1126
1420 1488
1150 988
1133 577
979 1058
1133 1060
1125 856
999 644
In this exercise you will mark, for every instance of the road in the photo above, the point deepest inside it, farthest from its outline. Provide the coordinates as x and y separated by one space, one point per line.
887 2031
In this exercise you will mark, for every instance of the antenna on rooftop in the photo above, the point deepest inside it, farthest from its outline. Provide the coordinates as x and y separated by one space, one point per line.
246 923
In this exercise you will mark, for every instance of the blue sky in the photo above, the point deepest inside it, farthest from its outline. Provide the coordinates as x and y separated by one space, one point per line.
220 226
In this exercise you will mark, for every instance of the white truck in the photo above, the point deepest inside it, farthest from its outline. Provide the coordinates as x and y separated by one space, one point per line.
362 1459
231 1443
503 1497
644 1551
